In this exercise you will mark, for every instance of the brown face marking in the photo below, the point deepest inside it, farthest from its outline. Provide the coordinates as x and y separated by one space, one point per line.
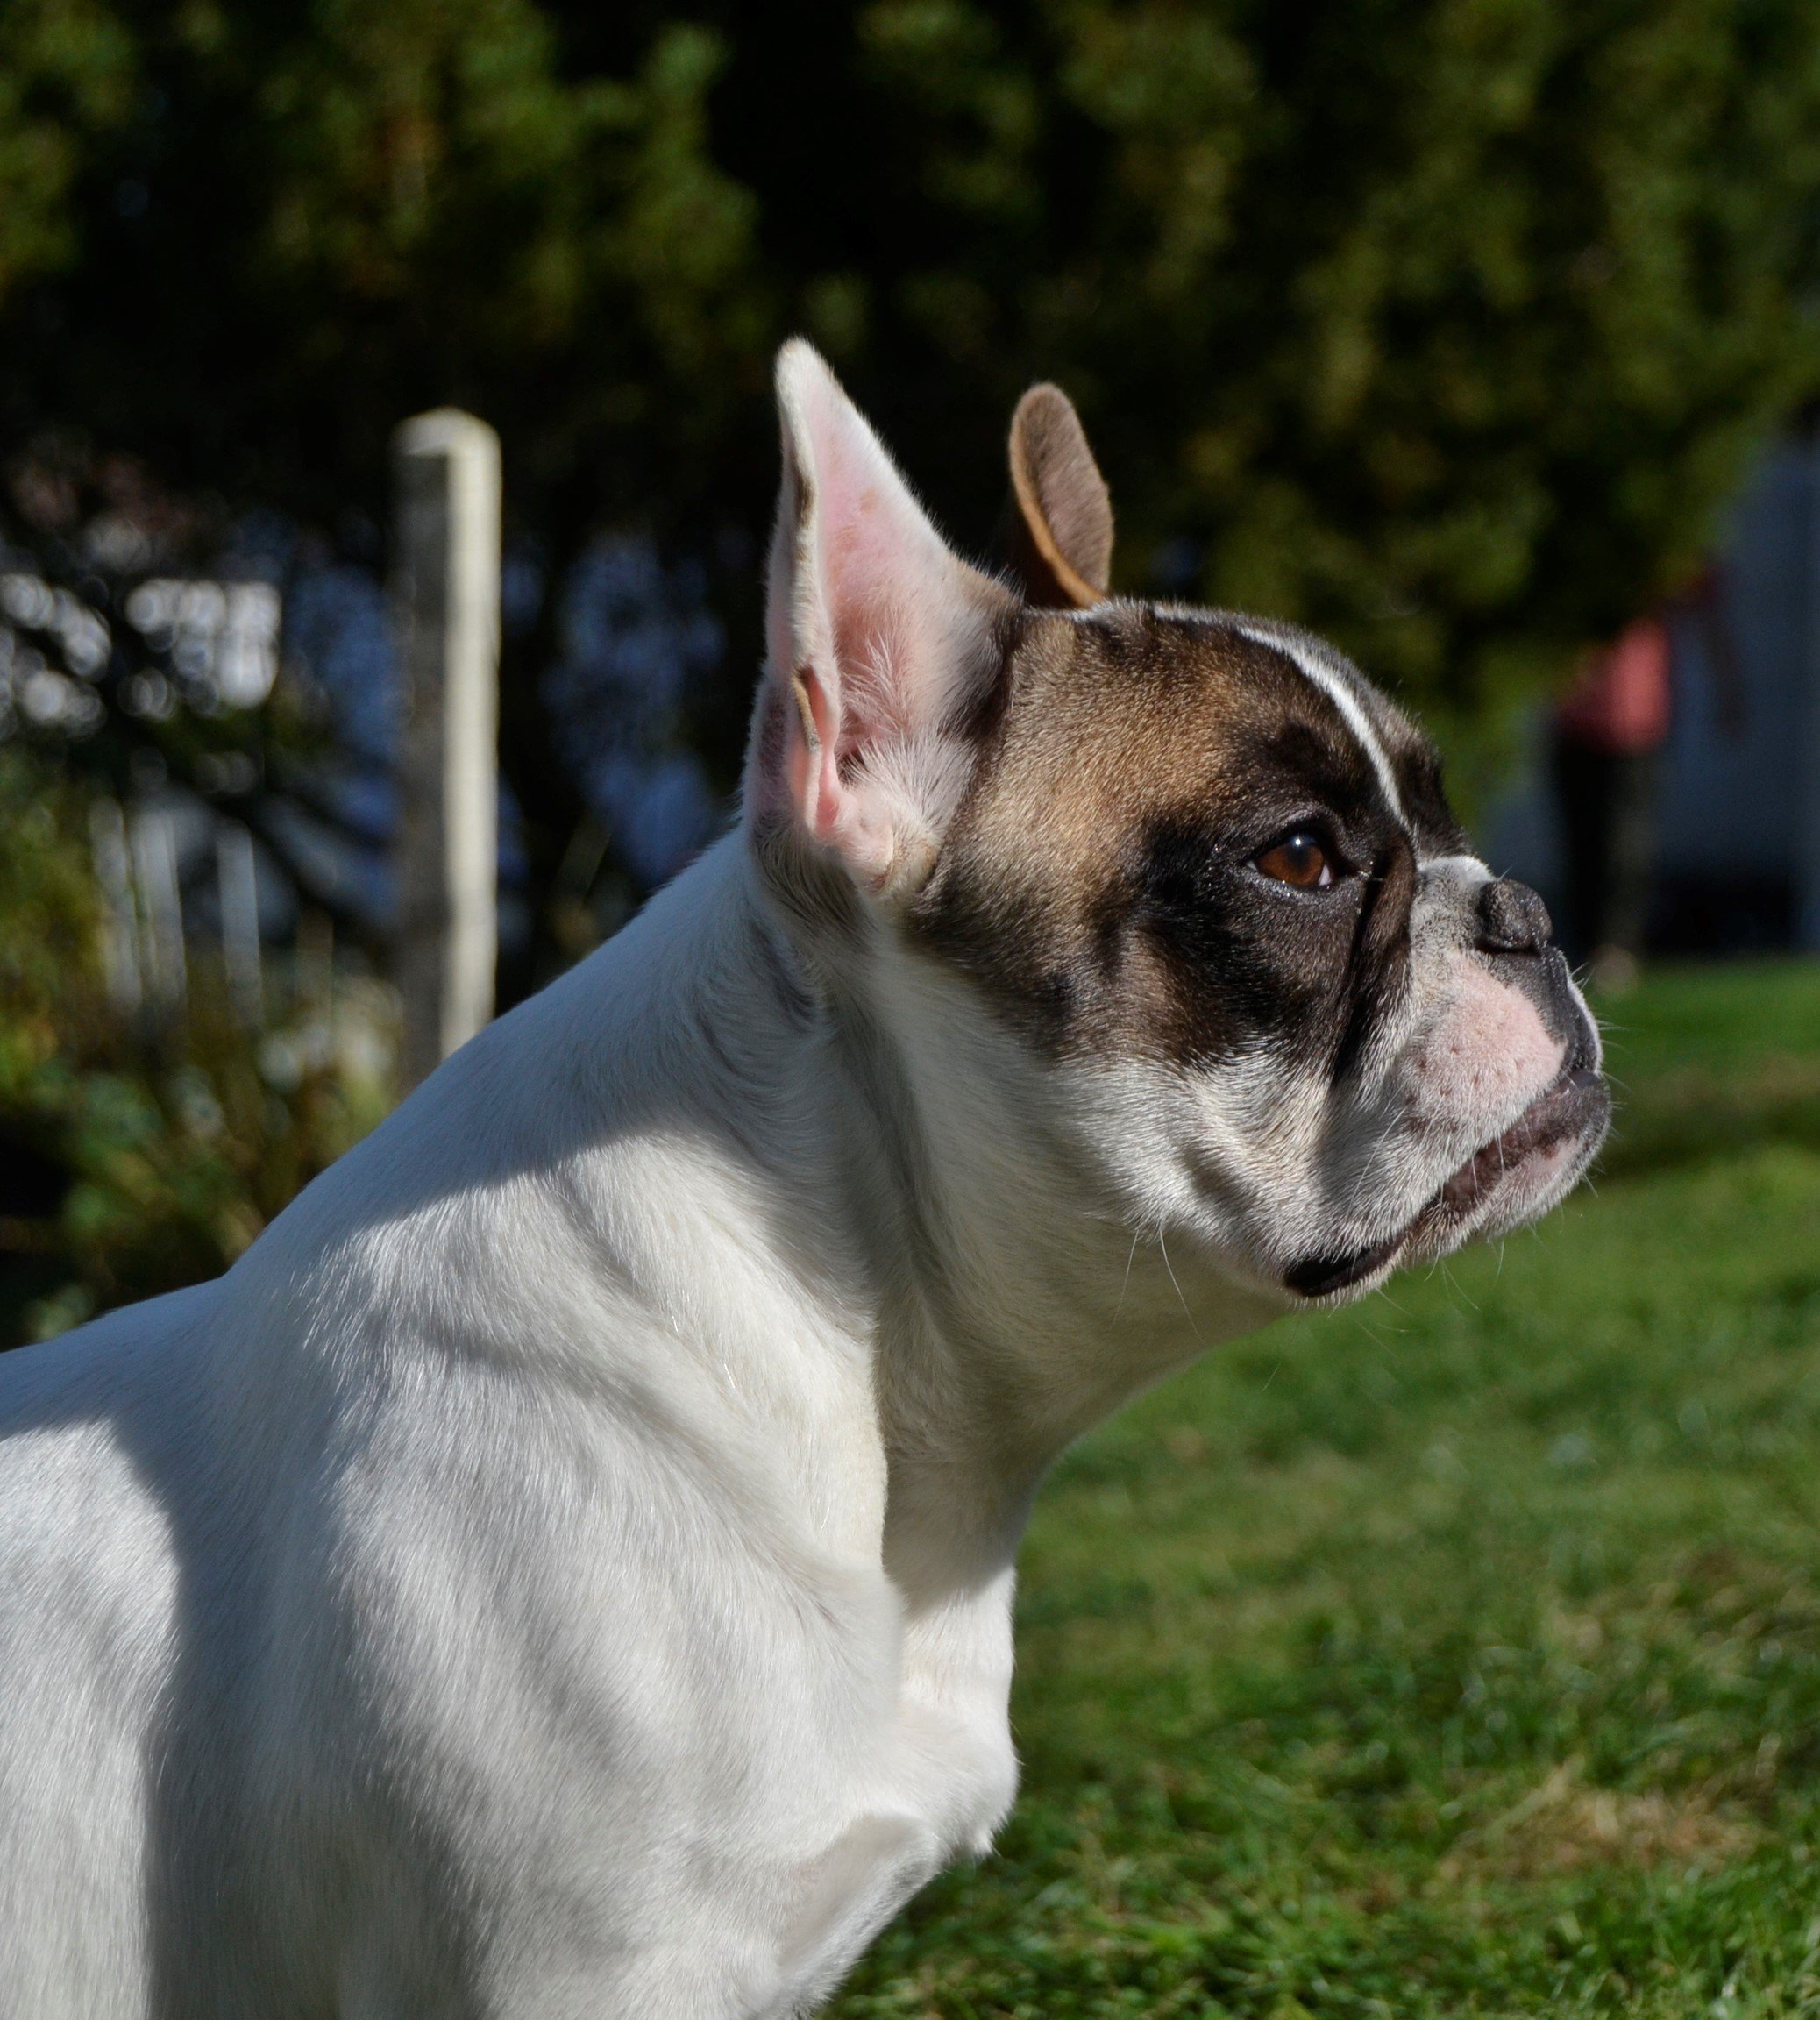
1097 882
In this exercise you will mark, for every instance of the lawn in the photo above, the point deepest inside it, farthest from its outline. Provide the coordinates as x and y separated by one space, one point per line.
1459 1653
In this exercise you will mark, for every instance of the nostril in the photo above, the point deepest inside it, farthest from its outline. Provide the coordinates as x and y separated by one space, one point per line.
1512 919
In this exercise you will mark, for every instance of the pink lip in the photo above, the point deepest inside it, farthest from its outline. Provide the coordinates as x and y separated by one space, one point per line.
1576 1105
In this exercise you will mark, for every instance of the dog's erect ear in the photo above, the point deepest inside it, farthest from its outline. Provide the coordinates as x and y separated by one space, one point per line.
878 638
1062 512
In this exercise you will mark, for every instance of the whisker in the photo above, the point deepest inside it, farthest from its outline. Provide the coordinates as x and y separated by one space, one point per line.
1170 1267
1126 1285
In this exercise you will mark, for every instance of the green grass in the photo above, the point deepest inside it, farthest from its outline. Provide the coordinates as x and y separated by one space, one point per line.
1460 1654
1715 1060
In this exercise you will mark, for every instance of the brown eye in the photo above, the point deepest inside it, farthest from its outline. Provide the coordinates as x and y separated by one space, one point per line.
1297 859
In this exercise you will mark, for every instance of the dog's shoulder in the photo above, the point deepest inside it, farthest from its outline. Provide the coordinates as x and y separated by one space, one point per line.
95 1430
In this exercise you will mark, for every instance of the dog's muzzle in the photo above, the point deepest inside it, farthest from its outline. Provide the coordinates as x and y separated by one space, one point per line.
1570 1115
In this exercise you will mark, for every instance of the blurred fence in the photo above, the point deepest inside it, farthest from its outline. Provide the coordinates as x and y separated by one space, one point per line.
172 863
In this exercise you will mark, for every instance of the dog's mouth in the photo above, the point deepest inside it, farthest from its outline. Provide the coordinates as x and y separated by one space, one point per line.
1551 1142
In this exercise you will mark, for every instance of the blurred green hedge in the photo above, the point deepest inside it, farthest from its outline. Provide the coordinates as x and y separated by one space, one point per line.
1444 325
135 1159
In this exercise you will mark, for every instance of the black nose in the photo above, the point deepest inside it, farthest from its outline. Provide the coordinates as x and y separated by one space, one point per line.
1512 919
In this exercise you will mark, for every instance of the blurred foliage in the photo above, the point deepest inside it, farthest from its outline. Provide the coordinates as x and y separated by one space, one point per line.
68 76
296 224
135 1158
1441 326
1444 325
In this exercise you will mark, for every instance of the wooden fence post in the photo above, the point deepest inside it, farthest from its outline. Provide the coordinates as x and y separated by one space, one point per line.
445 593
113 872
162 961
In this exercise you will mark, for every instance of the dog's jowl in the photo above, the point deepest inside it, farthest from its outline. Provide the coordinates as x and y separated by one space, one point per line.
564 1568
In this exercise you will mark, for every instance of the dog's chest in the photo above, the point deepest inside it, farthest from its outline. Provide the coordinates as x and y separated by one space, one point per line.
954 1726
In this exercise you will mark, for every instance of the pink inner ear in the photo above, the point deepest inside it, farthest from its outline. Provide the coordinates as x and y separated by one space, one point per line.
882 568
871 622
814 757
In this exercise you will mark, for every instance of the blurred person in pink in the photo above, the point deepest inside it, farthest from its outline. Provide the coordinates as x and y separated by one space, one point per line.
1609 731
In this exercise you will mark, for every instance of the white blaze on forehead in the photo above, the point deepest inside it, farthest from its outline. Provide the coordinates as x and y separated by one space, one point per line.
1338 690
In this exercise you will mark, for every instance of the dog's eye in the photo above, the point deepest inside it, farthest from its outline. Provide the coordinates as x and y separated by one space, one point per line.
1297 859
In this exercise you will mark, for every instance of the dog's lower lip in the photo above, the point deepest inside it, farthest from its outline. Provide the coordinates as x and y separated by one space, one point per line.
1570 1107
1319 1275
1574 1104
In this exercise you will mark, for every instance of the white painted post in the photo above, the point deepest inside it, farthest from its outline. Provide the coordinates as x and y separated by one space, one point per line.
155 861
445 593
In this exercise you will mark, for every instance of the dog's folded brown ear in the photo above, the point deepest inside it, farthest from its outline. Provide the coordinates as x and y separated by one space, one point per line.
1060 529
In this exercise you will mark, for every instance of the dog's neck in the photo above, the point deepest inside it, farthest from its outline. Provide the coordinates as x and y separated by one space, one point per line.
1002 1304
785 1211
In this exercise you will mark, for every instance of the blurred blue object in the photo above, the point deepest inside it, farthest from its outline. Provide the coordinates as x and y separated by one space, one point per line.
636 635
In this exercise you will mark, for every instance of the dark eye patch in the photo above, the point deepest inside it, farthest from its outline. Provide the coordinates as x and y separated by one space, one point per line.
1238 967
1182 889
1380 958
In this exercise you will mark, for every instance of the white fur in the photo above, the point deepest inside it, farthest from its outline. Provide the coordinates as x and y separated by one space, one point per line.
566 1566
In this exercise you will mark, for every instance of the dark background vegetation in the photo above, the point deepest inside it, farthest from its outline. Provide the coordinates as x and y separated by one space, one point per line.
1444 325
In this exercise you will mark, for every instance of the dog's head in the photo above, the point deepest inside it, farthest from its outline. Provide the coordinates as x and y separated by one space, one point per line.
1186 876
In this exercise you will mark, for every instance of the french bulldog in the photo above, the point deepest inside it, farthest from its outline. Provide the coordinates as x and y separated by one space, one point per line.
564 1568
